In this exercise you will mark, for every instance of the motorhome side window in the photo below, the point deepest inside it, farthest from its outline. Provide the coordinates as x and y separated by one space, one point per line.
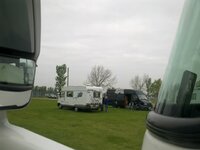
96 94
70 93
80 94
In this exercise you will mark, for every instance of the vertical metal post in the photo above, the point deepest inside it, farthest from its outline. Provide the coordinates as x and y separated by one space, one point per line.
67 76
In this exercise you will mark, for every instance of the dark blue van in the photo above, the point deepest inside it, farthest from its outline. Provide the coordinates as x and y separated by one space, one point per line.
128 98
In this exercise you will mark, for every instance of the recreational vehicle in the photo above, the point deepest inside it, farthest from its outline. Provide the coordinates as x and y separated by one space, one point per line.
81 97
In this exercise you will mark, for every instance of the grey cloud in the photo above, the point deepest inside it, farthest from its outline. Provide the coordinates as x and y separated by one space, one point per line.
128 36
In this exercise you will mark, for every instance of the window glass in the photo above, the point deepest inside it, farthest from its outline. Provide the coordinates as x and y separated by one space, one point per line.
141 95
182 78
134 97
70 93
194 96
16 71
96 94
80 94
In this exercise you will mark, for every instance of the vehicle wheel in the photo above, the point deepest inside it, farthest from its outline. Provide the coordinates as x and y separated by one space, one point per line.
60 106
75 109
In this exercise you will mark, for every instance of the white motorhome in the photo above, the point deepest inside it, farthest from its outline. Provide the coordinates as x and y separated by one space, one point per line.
81 97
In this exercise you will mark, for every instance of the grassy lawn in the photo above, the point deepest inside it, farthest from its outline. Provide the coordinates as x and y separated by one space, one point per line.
119 129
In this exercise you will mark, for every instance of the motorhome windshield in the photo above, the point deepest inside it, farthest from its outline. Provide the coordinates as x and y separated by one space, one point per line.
141 95
180 92
16 71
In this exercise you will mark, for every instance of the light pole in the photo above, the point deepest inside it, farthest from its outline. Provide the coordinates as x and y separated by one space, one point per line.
67 76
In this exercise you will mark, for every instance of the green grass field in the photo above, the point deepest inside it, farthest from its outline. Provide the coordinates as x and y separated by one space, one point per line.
119 129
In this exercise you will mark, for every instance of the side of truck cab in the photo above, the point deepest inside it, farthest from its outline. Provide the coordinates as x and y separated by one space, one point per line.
175 122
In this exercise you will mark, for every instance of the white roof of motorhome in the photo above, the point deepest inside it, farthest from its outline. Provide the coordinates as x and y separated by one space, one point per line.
82 88
94 88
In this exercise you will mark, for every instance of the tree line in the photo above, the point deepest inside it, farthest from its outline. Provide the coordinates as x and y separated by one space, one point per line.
103 77
43 91
145 84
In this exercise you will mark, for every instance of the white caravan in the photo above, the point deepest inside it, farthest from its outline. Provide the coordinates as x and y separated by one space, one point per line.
81 97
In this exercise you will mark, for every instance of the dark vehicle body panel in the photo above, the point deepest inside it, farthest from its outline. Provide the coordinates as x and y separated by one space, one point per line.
128 98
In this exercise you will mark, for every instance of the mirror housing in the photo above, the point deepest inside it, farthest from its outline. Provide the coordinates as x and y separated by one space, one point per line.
19 50
20 28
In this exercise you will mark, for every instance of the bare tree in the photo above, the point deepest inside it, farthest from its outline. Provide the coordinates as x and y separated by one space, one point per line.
140 83
148 84
136 83
99 76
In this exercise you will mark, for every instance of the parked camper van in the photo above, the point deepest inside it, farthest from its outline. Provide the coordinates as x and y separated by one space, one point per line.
81 97
128 98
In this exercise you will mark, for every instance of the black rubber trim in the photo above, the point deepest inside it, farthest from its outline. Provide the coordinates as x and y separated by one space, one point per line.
12 107
179 131
16 53
15 87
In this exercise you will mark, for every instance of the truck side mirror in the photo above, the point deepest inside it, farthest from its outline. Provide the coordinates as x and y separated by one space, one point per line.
19 50
185 92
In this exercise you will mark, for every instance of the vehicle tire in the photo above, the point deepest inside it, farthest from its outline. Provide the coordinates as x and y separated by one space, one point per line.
76 109
60 106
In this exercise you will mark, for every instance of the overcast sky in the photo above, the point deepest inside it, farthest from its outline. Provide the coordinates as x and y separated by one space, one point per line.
129 37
